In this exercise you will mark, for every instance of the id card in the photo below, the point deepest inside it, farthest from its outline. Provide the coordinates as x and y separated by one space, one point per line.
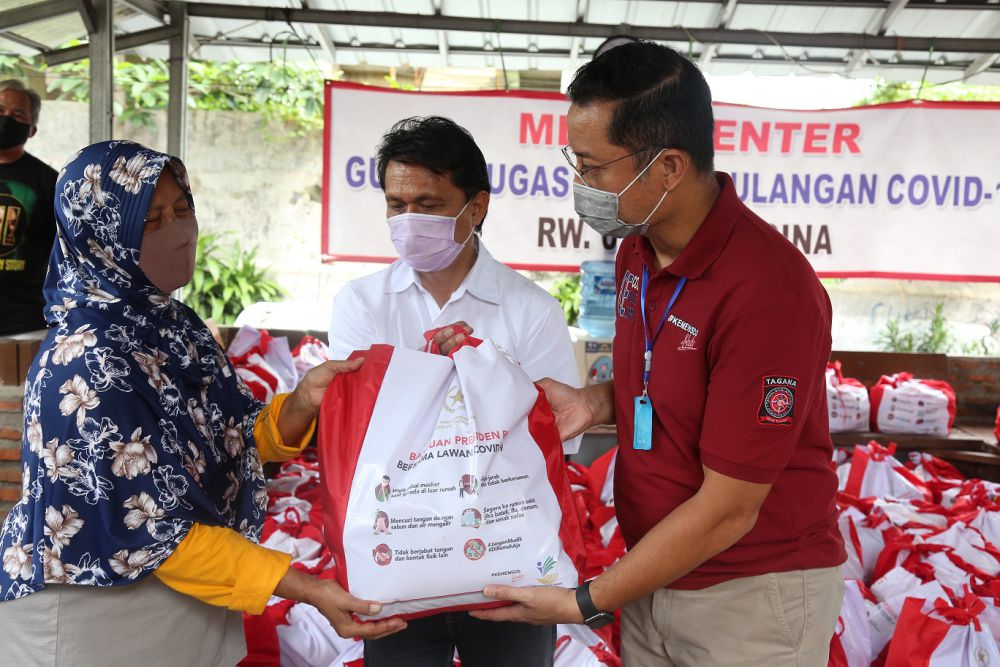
642 435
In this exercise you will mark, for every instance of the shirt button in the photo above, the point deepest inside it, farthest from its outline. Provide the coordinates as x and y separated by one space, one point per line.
650 305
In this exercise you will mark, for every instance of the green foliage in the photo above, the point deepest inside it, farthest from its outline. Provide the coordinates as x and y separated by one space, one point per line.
223 285
567 291
937 338
897 91
281 91
934 337
12 67
894 339
392 82
987 345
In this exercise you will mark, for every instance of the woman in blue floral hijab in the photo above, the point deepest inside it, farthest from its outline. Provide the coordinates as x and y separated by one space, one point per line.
142 449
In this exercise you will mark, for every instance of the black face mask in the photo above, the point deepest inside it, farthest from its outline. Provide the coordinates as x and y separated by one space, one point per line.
12 132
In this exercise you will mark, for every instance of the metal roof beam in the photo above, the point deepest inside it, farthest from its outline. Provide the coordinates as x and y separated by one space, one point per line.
430 48
882 24
835 65
581 15
101 51
320 33
980 64
154 9
571 29
88 15
38 11
969 5
122 42
722 20
858 58
24 41
436 6
178 83
890 15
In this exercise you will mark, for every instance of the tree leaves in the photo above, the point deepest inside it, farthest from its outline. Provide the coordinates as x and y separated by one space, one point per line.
288 92
567 292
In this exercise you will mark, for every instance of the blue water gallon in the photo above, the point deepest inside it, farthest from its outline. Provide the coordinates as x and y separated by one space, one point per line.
597 298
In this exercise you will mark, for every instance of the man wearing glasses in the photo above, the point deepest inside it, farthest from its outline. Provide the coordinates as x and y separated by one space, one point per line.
722 484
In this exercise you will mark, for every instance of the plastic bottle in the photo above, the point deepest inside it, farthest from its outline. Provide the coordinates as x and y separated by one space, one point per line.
597 298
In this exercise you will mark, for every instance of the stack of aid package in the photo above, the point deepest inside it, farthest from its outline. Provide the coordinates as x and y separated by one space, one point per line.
266 363
902 404
296 635
922 568
847 401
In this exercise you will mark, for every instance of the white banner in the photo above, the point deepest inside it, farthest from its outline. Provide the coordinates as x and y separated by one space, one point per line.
907 190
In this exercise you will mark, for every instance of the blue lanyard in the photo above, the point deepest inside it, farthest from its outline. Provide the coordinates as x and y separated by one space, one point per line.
648 356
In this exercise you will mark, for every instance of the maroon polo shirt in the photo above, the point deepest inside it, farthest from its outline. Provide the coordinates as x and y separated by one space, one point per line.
737 385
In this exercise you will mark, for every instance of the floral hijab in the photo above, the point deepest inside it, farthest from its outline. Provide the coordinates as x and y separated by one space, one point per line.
135 424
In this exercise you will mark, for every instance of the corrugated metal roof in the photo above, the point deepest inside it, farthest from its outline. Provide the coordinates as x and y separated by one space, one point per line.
247 40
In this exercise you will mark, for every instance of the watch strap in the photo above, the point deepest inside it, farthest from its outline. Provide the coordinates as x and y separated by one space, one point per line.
586 604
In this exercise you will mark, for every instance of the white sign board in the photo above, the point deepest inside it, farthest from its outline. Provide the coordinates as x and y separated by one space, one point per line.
907 190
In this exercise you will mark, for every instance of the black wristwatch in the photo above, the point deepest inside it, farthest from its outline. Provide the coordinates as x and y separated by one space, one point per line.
591 616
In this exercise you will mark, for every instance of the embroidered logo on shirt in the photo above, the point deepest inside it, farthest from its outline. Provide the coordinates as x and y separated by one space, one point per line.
627 296
691 333
777 404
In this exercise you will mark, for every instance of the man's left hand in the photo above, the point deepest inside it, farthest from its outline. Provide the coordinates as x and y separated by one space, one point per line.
452 336
538 605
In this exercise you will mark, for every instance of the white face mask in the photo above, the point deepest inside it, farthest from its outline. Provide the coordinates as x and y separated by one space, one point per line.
427 242
599 209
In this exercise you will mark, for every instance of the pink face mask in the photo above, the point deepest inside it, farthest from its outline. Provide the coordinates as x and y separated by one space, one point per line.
426 242
167 255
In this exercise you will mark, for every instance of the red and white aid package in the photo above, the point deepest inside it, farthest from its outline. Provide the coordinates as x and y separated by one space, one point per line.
863 536
441 475
847 401
309 353
940 634
579 646
851 644
874 472
264 362
901 404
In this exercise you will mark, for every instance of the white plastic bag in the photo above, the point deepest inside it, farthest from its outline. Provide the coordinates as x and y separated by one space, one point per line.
443 475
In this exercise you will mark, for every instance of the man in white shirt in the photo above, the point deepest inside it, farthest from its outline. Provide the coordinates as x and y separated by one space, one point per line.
437 193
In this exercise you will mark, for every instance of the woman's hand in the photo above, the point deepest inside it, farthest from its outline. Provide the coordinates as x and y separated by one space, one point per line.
336 605
302 406
310 391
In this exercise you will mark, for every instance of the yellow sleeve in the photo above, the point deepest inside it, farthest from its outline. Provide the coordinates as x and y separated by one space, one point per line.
265 432
221 567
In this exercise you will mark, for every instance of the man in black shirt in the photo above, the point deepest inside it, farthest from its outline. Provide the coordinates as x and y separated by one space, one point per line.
27 219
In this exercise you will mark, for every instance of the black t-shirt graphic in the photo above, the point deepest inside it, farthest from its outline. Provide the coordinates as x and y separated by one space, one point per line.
27 231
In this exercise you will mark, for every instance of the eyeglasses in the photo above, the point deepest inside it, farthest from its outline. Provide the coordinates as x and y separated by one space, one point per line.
571 158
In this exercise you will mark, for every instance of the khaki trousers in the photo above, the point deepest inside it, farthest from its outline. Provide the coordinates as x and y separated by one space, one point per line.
774 620
145 624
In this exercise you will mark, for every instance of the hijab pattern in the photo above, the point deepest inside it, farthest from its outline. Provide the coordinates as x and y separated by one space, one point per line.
135 424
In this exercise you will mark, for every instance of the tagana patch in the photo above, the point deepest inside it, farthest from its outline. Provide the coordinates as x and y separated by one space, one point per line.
777 403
